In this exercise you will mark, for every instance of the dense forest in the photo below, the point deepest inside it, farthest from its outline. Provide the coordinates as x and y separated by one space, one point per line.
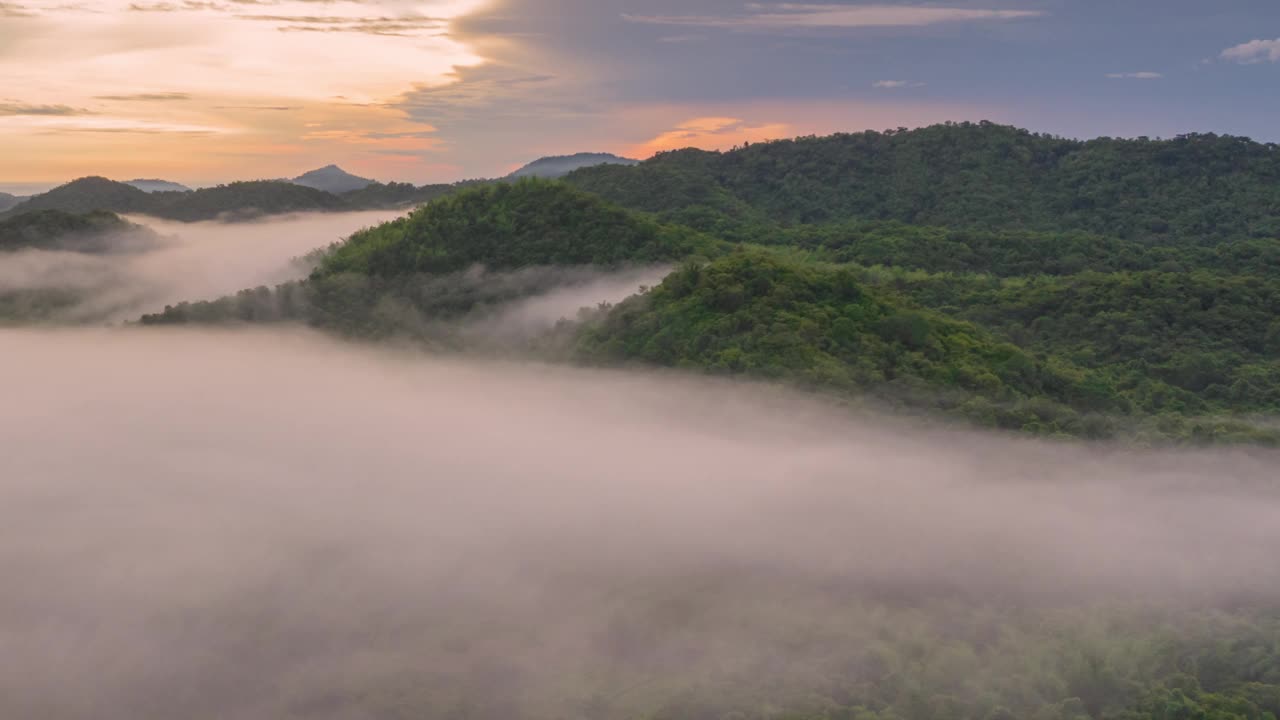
398 277
1108 290
1090 289
233 201
91 232
1194 188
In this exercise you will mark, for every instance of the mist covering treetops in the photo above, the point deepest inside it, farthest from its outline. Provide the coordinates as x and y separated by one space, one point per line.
511 225
7 201
93 232
561 165
233 201
1066 287
156 185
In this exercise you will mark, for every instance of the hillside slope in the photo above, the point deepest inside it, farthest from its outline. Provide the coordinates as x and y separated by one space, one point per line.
560 165
332 179
967 175
234 200
401 277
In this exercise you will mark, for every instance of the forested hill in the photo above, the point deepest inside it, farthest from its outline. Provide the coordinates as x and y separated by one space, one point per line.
93 232
1101 288
232 201
402 276
965 175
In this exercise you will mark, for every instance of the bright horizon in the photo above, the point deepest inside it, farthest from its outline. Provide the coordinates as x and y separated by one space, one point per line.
205 92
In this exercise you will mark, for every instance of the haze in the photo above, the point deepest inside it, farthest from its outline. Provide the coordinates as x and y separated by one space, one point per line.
195 261
248 525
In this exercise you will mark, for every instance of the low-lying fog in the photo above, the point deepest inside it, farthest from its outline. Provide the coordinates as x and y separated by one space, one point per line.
243 525
196 261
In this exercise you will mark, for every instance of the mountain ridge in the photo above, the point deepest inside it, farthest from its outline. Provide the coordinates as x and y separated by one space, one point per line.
557 166
332 179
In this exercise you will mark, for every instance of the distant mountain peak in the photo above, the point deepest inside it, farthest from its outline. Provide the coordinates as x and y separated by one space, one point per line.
332 179
157 185
555 166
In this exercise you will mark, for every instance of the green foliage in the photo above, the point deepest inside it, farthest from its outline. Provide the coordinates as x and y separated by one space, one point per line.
505 226
233 201
1022 281
1185 343
753 313
969 176
406 277
96 231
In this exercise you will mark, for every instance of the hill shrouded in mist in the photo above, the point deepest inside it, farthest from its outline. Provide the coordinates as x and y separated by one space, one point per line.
278 525
398 277
233 201
332 179
93 232
1039 320
561 165
7 201
691 459
155 185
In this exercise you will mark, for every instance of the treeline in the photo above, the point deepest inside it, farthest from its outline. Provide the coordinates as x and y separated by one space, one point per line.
233 201
415 276
1200 187
1013 307
92 232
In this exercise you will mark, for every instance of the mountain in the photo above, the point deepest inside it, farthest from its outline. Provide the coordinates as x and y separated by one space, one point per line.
152 185
963 176
7 201
1056 287
240 200
88 194
559 166
399 277
332 179
93 232
228 202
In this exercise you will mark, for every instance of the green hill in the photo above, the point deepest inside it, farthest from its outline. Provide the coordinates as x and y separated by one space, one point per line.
92 232
400 277
242 200
1021 280
1171 355
237 200
965 175
86 195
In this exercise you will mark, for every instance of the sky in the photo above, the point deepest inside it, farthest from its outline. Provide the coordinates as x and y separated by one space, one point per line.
207 91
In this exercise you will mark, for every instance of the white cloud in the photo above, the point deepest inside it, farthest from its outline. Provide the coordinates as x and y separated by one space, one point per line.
802 15
1135 76
1254 51
895 84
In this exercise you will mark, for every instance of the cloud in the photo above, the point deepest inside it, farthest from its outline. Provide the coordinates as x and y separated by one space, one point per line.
802 15
895 84
253 525
711 133
1253 52
1135 76
188 5
682 38
146 97
16 109
396 26
13 10
276 108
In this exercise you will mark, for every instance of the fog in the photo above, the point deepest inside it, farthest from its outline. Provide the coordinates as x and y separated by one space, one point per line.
195 261
249 525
